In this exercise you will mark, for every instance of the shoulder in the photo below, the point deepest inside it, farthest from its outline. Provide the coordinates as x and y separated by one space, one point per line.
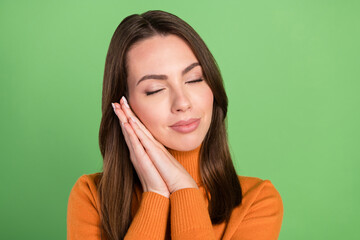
87 182
85 190
261 196
260 214
88 178
254 186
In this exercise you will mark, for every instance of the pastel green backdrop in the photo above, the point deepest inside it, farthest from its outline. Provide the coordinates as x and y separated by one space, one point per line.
291 71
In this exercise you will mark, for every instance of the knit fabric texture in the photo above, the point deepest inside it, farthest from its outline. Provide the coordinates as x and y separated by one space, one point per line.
185 214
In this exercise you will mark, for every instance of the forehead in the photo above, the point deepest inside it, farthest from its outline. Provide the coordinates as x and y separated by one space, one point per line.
159 55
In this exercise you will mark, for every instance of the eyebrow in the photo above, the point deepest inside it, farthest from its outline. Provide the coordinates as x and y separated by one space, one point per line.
164 77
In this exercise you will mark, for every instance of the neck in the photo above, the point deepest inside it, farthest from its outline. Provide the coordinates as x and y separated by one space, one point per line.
189 160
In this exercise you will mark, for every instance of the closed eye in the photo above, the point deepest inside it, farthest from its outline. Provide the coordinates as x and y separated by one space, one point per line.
194 81
149 93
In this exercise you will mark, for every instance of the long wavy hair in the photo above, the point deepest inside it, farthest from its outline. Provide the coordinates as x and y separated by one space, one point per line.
117 181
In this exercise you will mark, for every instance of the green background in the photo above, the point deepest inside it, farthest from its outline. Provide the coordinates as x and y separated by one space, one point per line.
291 71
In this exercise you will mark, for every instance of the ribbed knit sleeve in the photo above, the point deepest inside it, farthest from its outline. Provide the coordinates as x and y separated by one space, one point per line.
189 215
83 219
151 219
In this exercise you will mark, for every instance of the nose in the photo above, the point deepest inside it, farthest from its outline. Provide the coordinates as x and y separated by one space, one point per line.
180 101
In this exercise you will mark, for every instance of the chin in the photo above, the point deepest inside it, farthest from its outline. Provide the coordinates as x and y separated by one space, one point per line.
183 146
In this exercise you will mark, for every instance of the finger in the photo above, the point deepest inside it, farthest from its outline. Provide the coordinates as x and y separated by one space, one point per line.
122 119
138 148
138 169
147 171
149 146
119 112
129 113
129 140
126 136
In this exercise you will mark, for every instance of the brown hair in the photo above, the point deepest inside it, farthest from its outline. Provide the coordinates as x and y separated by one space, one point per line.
117 181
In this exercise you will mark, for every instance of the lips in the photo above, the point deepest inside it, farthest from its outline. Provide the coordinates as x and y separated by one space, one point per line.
183 123
185 127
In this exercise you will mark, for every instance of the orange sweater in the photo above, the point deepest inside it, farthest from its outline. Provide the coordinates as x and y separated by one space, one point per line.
259 216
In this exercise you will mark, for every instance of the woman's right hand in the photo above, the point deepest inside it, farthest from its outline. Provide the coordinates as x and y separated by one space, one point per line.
149 176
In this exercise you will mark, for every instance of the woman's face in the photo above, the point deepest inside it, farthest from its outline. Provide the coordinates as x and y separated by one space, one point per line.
175 97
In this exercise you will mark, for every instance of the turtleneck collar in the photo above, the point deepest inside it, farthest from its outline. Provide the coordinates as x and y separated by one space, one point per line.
190 161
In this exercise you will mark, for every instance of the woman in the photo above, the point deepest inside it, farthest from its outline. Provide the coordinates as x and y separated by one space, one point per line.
167 171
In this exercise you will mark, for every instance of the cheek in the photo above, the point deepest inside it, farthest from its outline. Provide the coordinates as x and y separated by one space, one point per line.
148 115
206 99
210 98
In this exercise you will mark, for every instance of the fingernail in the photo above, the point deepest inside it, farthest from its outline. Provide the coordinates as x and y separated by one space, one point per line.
125 102
113 105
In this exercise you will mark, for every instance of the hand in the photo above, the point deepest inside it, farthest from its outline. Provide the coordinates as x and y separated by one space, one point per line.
156 167
148 175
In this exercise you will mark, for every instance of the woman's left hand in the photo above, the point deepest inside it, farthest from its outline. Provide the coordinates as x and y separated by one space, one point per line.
173 173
